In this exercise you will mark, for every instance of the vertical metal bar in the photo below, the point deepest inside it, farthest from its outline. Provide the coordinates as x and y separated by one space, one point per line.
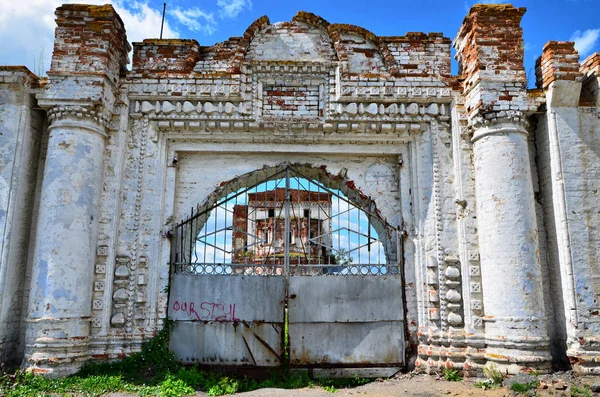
225 228
298 216
347 253
369 229
195 219
321 240
286 232
339 227
257 235
214 245
244 246
182 244
309 244
190 225
309 232
359 235
163 20
399 252
205 228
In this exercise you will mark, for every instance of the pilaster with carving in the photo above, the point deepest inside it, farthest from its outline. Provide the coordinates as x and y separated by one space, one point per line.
497 104
79 99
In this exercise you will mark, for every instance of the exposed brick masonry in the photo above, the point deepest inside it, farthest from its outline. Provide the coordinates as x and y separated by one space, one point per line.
413 55
91 40
591 64
420 54
559 61
590 68
295 102
490 44
167 55
490 53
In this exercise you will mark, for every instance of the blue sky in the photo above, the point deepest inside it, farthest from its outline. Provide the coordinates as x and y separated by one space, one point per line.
26 26
349 226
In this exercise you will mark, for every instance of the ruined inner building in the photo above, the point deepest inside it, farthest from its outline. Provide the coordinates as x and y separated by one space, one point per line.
401 216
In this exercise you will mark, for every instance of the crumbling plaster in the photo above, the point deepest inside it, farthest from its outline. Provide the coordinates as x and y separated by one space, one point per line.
493 187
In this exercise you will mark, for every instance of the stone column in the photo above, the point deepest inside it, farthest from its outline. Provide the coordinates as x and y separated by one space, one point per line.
61 292
21 129
515 324
490 51
90 56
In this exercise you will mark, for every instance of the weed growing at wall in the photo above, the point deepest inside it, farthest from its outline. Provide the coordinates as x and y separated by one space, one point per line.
150 366
452 375
581 391
523 387
494 378
155 372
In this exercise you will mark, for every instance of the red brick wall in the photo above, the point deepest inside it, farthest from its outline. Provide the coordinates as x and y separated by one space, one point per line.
559 61
172 56
90 40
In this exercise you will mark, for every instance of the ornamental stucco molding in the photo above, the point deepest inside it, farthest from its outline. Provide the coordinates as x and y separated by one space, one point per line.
94 113
485 123
307 129
231 109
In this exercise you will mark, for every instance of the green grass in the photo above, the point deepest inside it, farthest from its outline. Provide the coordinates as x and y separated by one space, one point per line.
155 372
494 378
522 387
452 375
486 384
581 391
493 374
183 382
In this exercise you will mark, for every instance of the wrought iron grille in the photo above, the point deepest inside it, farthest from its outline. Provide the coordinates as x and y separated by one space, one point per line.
284 224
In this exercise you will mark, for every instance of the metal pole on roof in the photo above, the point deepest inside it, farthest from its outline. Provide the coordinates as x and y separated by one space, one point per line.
163 20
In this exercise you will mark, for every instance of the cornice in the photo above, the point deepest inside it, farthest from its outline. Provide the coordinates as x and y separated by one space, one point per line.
93 113
296 129
494 122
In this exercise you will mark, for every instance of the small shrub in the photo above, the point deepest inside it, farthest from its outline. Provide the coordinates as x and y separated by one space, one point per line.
172 387
581 392
493 374
522 387
154 372
486 384
225 385
452 375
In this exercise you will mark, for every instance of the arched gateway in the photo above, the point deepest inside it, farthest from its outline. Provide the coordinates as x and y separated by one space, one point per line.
400 215
289 254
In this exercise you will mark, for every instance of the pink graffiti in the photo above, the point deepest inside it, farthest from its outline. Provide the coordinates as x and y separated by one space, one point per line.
207 311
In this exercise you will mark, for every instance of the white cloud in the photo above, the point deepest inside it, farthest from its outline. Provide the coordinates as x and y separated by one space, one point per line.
190 18
27 28
231 8
585 41
141 21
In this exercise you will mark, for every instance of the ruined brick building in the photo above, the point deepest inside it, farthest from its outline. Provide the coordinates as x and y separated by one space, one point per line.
261 227
481 194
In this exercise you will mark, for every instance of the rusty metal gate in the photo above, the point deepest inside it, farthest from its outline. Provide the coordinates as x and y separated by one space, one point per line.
287 243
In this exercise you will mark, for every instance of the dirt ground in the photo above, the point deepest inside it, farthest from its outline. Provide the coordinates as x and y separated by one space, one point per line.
558 384
565 384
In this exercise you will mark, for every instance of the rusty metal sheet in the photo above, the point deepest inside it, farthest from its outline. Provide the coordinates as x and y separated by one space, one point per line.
227 320
360 344
345 299
251 344
227 298
346 320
